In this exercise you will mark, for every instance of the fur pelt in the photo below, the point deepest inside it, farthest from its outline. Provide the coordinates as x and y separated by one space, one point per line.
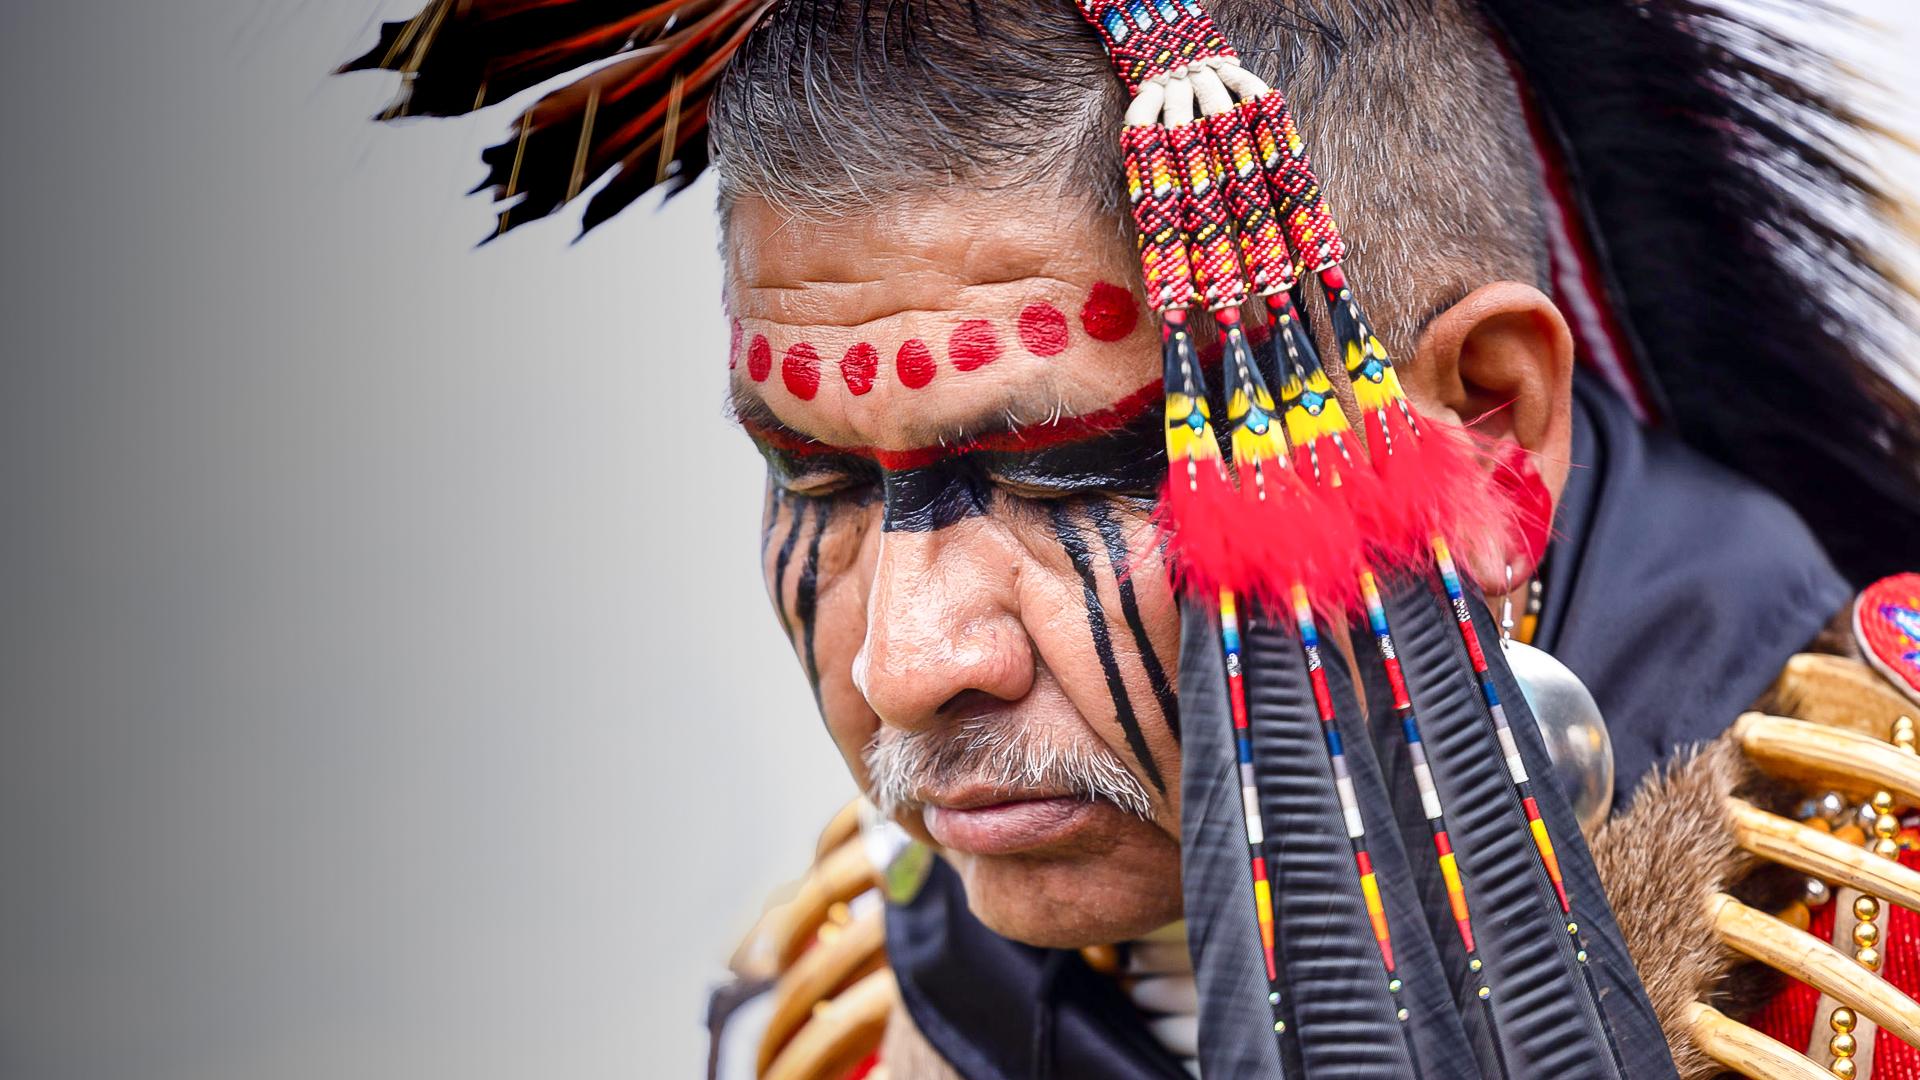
1660 862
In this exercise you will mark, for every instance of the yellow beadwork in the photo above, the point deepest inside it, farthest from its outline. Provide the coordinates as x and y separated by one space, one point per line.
1304 425
1257 442
1185 440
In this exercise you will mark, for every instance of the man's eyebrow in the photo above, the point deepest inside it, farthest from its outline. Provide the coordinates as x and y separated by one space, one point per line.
998 432
751 411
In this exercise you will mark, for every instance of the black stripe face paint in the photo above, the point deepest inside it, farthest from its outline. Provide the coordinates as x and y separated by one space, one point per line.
806 593
1125 462
934 496
1115 539
793 505
1081 556
809 517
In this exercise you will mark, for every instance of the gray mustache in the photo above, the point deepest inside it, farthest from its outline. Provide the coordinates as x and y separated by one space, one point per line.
903 766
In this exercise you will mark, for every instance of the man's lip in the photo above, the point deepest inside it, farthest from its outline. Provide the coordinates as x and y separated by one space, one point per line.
973 798
1006 827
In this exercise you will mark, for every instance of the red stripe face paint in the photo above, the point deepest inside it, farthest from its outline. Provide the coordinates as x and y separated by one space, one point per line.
1043 330
973 345
733 344
759 359
1111 313
858 367
914 364
800 370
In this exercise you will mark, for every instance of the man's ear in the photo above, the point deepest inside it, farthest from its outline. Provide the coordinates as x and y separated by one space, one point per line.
1501 361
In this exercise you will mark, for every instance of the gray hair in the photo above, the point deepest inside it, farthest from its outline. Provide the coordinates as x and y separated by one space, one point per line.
841 106
997 752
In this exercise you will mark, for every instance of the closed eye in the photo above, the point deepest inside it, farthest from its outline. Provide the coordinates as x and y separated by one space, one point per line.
818 476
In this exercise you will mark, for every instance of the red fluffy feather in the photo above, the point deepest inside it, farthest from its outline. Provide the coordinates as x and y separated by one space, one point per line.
1434 482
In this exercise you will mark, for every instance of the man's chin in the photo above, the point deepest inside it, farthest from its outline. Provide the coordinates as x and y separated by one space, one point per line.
1122 880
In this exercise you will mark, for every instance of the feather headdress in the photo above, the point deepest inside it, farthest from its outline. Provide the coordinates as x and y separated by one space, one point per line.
637 120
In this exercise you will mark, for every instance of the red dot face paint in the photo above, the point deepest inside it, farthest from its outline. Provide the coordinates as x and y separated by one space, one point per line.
914 364
733 344
1043 330
973 345
759 359
800 370
1111 313
858 368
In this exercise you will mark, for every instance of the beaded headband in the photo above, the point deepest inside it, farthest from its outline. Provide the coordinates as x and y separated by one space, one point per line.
1228 209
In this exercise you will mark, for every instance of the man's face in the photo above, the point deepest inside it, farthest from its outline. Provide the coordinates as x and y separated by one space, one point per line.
959 404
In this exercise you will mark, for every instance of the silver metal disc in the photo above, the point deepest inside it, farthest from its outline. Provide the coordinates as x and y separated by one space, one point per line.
1573 729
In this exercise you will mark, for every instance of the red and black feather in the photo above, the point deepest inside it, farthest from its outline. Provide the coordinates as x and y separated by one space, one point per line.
634 117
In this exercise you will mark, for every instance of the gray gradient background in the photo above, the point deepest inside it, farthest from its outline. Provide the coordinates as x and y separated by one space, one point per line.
386 685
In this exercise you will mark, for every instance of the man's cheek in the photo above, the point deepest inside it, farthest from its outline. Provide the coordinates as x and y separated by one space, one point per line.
811 555
840 635
1095 634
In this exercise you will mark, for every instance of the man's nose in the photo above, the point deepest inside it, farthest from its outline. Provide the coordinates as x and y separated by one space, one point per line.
943 625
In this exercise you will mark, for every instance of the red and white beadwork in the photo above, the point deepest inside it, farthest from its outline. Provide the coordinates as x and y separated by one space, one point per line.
1886 620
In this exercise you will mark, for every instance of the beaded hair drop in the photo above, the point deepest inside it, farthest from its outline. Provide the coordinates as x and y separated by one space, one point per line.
1308 524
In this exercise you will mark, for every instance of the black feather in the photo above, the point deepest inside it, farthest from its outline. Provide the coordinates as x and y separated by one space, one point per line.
1737 239
1216 878
1345 1016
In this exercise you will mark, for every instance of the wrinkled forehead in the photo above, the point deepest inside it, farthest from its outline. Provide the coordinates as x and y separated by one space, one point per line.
932 320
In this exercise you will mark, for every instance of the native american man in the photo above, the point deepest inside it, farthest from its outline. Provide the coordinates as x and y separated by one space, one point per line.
1616 241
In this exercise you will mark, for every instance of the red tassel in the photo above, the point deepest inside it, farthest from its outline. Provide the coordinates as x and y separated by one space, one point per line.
1434 482
1328 484
1204 524
1520 485
1310 539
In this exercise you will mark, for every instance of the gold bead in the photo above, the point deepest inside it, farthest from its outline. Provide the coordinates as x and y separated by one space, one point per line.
1843 1046
1886 825
1104 959
1885 847
1903 724
1865 908
1844 1068
1869 957
1866 933
1842 1019
839 914
1882 802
